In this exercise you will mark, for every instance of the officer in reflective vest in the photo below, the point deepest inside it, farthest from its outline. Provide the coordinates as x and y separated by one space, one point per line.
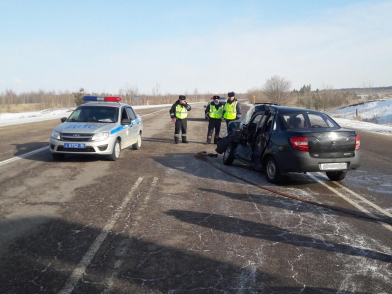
214 112
179 112
232 110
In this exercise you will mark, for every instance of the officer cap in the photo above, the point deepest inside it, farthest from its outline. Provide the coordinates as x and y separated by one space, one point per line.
231 94
216 97
181 97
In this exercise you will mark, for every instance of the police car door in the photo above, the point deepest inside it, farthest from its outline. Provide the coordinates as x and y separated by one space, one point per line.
135 125
126 132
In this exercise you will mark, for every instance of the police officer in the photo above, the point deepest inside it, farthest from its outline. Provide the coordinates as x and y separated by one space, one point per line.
214 112
232 109
179 111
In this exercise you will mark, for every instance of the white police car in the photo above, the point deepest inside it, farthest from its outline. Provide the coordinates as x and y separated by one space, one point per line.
100 128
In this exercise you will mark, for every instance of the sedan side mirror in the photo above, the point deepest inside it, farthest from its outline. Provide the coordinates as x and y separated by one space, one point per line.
126 121
63 119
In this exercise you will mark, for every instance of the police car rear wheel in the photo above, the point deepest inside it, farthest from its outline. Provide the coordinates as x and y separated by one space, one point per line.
116 151
138 143
57 156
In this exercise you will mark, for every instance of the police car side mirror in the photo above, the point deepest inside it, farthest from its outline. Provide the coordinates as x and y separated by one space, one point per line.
63 119
125 121
205 106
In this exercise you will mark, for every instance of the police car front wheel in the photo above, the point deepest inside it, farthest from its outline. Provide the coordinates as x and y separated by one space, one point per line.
116 151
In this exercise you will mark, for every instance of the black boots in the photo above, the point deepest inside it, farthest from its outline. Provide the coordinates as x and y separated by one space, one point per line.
216 139
177 140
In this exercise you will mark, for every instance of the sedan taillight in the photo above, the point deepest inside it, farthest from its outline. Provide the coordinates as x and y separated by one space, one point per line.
300 143
357 142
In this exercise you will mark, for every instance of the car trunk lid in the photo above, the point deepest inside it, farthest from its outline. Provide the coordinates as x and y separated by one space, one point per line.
330 144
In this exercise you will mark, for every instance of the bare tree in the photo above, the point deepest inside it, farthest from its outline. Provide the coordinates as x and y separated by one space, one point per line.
276 89
156 90
367 86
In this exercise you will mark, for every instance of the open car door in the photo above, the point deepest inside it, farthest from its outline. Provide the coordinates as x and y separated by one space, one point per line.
262 138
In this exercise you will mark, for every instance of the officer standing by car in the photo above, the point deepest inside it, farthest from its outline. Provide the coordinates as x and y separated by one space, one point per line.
214 112
232 109
179 112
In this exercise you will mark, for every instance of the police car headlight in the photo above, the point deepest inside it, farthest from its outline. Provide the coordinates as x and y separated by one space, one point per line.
55 135
100 136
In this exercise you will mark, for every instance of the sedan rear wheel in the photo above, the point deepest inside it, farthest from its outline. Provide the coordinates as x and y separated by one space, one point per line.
272 172
336 176
116 151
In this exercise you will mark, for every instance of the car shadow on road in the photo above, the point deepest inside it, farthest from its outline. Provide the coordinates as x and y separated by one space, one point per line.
186 162
271 233
44 259
26 151
169 141
22 149
297 206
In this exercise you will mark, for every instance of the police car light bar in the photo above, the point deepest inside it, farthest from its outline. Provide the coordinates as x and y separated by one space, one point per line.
102 98
220 98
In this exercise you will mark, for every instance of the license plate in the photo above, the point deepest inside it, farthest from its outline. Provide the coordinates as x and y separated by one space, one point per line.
333 166
75 145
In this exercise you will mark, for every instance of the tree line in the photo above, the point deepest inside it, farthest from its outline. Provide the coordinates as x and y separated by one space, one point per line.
275 90
278 90
131 95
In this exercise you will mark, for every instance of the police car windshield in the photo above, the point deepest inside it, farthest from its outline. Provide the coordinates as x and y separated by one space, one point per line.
97 114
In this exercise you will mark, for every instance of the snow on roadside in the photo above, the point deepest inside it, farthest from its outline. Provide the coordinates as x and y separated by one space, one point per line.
8 119
378 110
363 126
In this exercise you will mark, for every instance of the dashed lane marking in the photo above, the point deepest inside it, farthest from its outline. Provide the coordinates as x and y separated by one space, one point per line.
81 267
120 259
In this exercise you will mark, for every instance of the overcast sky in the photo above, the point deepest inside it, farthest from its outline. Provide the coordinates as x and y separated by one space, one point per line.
212 46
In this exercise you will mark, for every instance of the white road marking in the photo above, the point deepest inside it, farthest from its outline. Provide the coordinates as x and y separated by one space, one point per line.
4 162
364 199
120 261
349 201
81 267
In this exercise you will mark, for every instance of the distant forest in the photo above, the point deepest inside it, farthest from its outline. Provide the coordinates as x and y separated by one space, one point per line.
373 90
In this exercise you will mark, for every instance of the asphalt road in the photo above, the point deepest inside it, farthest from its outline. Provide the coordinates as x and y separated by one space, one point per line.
159 220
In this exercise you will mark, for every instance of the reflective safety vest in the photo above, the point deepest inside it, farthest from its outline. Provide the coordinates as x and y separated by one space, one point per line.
181 112
230 110
216 113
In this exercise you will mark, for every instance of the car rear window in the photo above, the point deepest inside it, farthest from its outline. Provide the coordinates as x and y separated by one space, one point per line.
306 121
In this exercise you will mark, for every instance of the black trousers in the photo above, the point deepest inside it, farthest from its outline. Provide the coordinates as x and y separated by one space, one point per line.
213 124
180 125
